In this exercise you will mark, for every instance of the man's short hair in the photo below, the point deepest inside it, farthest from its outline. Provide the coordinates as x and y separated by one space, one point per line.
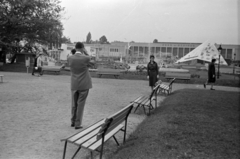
73 51
152 56
213 60
79 45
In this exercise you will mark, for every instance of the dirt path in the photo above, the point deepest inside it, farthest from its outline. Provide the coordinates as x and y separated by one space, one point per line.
35 112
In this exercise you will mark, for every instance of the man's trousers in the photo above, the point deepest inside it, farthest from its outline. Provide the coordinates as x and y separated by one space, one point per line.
78 102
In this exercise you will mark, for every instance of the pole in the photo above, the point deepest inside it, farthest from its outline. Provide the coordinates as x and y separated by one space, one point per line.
234 66
218 66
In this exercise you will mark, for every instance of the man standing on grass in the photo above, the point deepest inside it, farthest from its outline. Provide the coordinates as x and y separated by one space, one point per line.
211 74
80 83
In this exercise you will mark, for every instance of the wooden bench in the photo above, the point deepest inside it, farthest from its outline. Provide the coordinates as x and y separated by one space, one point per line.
116 73
1 78
166 88
94 137
146 100
55 69
178 76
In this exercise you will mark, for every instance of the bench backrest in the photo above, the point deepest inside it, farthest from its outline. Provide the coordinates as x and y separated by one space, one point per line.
155 89
178 74
102 70
172 81
114 120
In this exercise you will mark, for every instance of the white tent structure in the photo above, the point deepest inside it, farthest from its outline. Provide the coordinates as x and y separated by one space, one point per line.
205 52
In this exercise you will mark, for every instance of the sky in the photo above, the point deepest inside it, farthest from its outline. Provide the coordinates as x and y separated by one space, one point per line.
193 21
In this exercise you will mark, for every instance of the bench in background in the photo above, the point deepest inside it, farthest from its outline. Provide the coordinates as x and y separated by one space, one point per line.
146 100
94 137
55 69
104 71
178 76
166 88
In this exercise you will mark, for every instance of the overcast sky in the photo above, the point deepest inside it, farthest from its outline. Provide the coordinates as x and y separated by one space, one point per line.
146 20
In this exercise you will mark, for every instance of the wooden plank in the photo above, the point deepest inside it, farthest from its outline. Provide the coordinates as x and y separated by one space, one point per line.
85 131
93 143
85 138
142 99
138 98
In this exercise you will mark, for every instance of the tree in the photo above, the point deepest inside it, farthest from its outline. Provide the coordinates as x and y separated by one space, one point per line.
25 23
65 39
89 38
155 41
103 40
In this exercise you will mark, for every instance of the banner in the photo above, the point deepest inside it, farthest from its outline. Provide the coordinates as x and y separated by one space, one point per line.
206 52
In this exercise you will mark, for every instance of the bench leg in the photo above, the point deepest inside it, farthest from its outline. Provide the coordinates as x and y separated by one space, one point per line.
101 151
144 109
76 152
115 140
64 151
136 108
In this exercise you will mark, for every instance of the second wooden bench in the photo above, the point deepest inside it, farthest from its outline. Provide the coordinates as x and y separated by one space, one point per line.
146 100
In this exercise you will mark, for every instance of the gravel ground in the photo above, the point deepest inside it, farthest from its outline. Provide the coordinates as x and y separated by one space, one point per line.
35 112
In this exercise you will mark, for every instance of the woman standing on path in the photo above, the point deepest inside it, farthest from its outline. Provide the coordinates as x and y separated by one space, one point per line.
211 74
153 73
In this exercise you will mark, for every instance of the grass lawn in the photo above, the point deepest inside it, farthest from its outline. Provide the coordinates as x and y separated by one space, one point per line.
188 124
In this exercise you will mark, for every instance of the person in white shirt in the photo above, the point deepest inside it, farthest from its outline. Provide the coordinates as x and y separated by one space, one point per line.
37 67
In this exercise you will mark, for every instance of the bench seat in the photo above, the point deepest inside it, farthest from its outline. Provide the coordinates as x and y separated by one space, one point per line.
116 73
55 69
178 76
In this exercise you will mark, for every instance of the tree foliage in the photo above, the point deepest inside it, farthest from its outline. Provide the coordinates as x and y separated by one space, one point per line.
24 23
89 38
155 41
103 40
65 39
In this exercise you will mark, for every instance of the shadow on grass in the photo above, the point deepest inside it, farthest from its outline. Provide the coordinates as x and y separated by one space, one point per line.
189 124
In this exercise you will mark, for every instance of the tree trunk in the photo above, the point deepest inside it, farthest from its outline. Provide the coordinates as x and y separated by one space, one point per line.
13 58
3 56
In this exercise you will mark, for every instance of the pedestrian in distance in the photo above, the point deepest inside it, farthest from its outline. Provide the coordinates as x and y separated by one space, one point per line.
211 75
37 66
153 72
73 51
80 83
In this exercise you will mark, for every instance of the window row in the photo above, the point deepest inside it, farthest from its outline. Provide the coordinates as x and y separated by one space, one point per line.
113 50
175 51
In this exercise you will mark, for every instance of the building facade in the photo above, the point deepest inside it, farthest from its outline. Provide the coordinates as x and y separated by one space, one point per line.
164 52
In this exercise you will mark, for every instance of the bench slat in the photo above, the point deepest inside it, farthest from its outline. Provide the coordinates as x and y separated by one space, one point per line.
145 101
138 99
86 131
129 106
93 143
85 138
142 99
119 118
115 123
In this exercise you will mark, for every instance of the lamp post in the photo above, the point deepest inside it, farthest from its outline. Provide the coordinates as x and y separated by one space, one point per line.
234 56
219 50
